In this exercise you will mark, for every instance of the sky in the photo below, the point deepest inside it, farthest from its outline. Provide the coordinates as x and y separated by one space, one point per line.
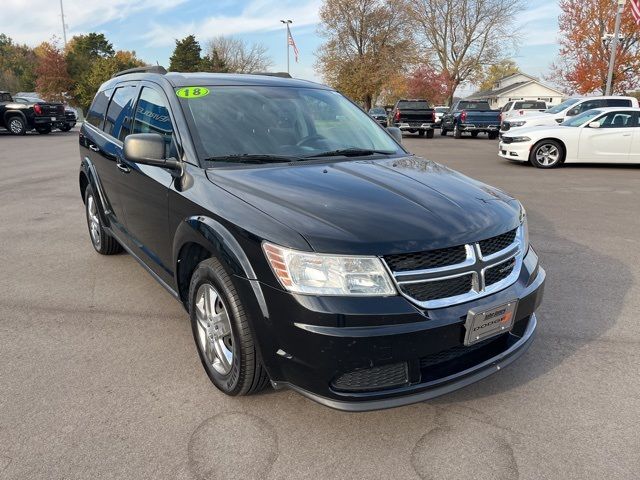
150 27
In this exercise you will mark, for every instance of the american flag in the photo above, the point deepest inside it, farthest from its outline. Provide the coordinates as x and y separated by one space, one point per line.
295 48
635 9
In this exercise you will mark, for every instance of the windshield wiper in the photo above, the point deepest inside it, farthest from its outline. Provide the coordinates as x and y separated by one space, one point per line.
350 152
252 158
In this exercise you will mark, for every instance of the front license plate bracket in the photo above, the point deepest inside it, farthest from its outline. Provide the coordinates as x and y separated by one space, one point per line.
489 322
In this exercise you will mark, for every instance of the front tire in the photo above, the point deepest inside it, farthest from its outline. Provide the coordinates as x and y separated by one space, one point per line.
43 130
102 241
493 135
221 332
65 128
443 132
430 133
456 132
547 154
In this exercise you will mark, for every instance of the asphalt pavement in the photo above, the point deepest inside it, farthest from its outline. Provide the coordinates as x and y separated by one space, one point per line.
99 375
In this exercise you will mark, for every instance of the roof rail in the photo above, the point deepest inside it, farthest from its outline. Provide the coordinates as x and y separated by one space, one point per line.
146 69
272 74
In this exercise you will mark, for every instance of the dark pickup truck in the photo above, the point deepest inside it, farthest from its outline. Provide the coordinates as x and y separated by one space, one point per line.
473 117
414 116
21 116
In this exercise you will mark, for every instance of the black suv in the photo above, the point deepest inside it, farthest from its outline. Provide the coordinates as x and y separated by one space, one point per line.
309 248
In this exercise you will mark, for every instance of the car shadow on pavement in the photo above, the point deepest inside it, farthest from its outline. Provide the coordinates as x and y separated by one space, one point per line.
584 295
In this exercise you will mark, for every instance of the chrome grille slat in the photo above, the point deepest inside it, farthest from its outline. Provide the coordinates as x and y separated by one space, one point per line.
442 286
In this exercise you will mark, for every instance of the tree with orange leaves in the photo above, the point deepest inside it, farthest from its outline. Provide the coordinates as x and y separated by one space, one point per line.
52 79
584 57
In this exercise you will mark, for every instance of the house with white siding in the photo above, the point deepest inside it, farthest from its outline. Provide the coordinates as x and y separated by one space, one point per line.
518 86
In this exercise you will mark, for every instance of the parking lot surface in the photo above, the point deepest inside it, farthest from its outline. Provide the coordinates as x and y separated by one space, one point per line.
100 378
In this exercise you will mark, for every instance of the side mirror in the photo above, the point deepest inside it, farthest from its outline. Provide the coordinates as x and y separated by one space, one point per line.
148 149
594 125
396 133
573 112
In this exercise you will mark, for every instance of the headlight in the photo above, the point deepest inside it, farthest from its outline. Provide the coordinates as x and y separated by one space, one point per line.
519 123
524 230
520 139
321 274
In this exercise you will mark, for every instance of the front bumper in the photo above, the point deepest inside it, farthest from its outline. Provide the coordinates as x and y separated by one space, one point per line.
311 343
518 151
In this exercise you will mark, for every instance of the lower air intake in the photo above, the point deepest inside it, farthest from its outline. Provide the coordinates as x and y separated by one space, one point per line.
371 379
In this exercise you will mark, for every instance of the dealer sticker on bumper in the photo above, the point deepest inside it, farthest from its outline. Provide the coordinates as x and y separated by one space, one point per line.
488 323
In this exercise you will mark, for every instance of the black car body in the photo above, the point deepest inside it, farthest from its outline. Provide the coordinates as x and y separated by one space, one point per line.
23 114
413 116
453 252
471 116
379 114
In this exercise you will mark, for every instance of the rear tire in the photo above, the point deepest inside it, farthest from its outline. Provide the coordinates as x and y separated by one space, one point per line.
443 132
474 134
421 133
221 331
65 128
430 133
16 125
493 135
456 132
547 154
102 241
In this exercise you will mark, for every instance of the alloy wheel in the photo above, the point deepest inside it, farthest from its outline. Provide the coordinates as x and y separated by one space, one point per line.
94 221
15 126
547 155
214 329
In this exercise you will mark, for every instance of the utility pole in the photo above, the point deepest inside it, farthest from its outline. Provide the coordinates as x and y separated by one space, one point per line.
614 46
64 26
286 23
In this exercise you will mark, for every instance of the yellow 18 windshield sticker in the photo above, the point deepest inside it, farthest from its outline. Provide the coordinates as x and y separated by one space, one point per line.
192 92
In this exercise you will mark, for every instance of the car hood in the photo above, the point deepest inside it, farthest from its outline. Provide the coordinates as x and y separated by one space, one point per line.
541 130
374 206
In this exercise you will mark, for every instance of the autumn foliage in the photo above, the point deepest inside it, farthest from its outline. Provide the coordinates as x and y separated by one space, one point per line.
52 78
426 82
584 59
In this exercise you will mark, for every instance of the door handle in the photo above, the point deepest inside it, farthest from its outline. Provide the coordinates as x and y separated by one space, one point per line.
122 167
626 134
94 147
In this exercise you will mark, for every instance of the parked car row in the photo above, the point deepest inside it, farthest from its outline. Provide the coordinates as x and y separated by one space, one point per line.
22 114
601 135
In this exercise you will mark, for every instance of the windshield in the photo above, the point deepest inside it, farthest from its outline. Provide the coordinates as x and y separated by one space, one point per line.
583 118
378 111
236 121
442 109
563 106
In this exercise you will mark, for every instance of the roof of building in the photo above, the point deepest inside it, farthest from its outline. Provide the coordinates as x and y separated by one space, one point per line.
514 86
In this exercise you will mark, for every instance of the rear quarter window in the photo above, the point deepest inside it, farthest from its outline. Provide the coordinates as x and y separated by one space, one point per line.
618 102
96 113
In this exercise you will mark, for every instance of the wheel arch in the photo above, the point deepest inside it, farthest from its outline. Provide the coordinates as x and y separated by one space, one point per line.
200 237
561 142
13 113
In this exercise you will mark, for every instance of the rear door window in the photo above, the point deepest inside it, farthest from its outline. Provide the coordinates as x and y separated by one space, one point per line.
96 113
152 116
118 120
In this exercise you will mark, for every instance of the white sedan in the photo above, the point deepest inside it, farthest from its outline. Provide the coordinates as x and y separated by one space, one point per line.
603 135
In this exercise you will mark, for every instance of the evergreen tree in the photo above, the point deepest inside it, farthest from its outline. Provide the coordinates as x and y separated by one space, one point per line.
214 63
186 56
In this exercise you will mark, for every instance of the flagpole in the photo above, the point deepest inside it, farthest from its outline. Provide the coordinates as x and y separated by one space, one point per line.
286 23
614 46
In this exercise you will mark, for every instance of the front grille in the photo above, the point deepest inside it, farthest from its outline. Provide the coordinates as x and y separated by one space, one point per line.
499 272
495 244
420 260
438 289
371 379
440 278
